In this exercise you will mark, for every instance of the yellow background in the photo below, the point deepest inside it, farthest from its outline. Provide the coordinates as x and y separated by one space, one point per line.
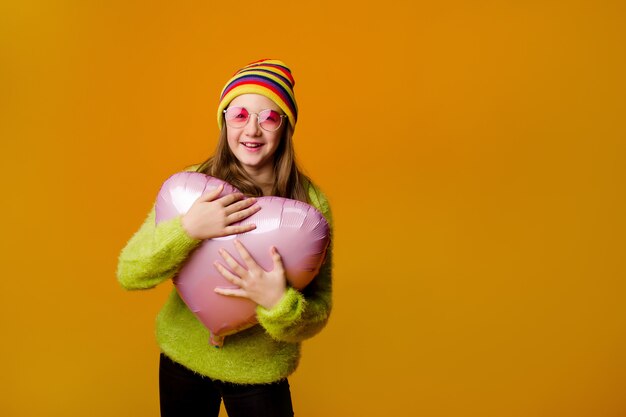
474 154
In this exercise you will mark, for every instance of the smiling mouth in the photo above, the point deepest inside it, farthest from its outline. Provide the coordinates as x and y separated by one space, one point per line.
251 145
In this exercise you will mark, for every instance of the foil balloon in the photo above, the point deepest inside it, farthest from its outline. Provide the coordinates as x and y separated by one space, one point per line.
299 232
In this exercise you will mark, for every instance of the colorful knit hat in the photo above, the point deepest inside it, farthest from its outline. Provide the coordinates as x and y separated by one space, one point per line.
268 77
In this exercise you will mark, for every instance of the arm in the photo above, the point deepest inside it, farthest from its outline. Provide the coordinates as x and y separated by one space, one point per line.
154 253
300 315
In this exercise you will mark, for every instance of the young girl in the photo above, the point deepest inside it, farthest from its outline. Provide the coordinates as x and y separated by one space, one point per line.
257 114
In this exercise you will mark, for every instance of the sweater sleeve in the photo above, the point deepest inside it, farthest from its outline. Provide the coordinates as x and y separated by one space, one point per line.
154 253
300 315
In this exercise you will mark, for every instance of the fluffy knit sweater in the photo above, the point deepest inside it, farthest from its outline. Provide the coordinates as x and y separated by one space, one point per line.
264 353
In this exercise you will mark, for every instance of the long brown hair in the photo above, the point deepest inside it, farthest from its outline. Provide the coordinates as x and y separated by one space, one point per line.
289 182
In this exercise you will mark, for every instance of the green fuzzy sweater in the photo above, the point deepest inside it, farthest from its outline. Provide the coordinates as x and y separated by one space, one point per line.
264 353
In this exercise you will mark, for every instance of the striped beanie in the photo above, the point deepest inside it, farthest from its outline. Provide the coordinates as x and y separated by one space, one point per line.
268 77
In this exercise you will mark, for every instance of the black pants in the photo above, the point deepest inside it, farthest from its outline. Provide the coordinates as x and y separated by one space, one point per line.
184 393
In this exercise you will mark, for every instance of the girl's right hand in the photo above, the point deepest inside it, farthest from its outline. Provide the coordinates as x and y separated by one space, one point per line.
210 217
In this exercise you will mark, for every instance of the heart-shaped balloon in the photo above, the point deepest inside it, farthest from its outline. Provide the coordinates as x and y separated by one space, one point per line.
299 232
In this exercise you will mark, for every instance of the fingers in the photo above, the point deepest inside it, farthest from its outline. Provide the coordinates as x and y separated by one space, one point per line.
239 229
242 214
228 275
211 195
224 201
233 292
278 260
239 205
245 255
238 211
236 206
229 199
232 263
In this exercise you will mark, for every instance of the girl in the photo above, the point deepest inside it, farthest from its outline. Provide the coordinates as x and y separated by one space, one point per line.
256 115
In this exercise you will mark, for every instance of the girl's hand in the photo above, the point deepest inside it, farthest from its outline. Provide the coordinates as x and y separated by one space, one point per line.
210 217
263 287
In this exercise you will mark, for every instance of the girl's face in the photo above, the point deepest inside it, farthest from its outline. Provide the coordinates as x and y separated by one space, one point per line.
253 146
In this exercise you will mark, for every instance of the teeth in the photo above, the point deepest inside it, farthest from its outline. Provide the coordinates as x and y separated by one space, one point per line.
251 145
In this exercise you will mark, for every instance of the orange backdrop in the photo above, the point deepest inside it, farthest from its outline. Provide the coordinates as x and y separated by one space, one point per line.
474 154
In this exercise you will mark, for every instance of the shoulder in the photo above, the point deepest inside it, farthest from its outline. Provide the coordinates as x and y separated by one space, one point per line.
319 200
193 167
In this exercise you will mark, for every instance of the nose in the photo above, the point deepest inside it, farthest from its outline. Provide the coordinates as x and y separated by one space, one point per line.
252 127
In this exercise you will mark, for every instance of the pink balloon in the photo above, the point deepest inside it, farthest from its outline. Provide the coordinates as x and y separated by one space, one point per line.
299 232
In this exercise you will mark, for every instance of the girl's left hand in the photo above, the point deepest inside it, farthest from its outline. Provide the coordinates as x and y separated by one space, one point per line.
263 287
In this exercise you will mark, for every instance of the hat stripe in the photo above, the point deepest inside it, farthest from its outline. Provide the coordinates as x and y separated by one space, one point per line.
278 89
261 75
282 69
272 63
275 74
